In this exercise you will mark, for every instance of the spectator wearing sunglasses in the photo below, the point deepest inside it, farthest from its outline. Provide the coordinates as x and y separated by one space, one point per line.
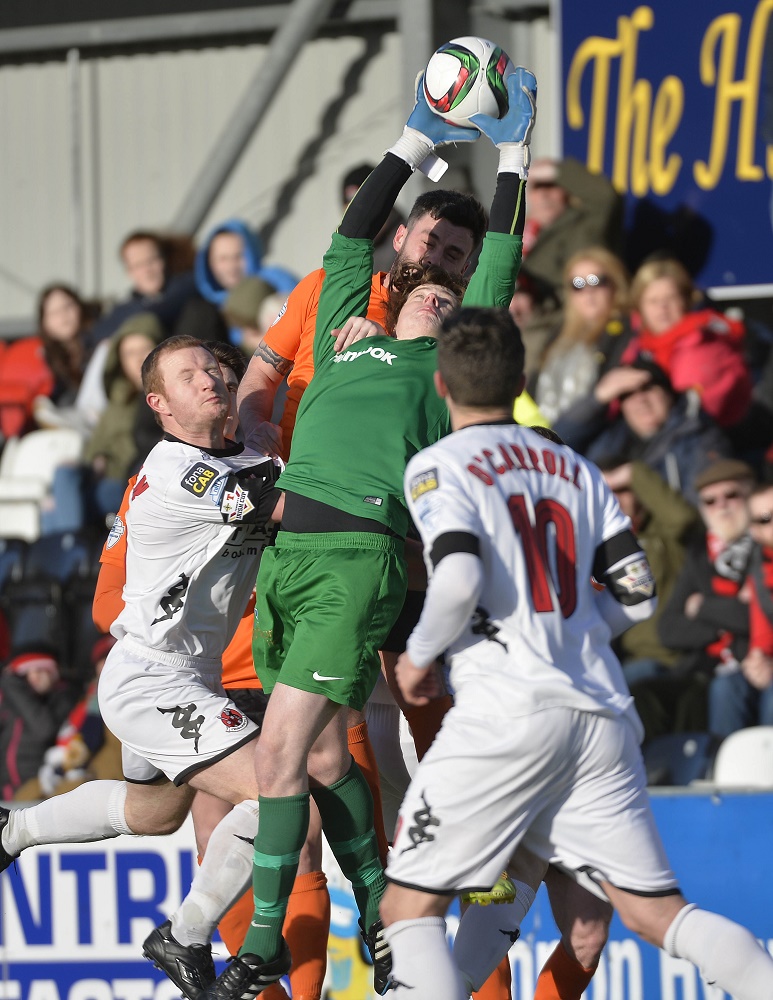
634 412
569 209
700 349
663 522
744 697
707 616
593 333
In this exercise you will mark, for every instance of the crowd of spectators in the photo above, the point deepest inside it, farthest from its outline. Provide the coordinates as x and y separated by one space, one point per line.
670 396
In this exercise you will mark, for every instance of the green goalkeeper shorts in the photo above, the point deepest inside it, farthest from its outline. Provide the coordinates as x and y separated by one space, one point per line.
325 604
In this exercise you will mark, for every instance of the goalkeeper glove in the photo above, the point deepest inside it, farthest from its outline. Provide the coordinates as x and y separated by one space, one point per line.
423 132
511 134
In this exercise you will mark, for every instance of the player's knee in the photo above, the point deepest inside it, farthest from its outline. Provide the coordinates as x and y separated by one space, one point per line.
400 903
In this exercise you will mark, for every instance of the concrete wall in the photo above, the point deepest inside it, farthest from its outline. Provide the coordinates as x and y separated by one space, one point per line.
107 144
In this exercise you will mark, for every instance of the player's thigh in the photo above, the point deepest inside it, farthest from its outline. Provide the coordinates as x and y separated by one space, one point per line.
647 916
402 903
527 867
231 778
156 808
582 917
294 721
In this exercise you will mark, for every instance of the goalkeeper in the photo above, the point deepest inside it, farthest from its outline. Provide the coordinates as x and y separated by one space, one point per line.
333 584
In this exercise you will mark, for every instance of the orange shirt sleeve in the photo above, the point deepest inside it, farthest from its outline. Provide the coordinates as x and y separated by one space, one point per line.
286 334
108 595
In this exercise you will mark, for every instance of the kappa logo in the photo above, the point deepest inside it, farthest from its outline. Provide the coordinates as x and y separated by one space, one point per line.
173 599
117 532
182 719
198 479
422 820
423 483
481 624
375 352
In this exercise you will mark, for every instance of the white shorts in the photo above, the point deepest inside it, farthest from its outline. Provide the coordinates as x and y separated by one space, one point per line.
170 718
568 784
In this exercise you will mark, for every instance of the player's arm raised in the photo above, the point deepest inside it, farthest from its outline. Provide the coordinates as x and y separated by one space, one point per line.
493 282
257 392
345 292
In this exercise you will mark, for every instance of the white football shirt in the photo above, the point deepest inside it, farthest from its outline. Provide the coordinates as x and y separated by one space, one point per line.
191 563
539 512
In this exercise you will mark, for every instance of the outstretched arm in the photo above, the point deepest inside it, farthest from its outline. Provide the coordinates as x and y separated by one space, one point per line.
348 264
494 280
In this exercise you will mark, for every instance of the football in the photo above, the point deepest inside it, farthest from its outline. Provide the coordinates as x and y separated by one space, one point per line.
465 77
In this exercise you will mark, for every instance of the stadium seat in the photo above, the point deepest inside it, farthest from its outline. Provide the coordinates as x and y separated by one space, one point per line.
61 557
11 561
679 758
20 519
27 467
745 759
35 618
28 463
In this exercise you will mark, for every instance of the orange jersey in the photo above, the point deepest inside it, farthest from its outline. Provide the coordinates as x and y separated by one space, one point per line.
292 337
238 669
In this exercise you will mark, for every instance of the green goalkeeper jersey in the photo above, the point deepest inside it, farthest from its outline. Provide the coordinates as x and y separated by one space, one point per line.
368 410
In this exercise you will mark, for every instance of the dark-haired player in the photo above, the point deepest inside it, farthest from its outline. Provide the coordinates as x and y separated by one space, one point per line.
542 744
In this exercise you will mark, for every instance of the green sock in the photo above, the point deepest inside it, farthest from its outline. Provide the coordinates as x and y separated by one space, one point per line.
282 827
346 809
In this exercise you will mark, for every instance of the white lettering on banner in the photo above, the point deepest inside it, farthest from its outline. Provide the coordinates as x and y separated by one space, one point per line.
91 988
43 989
625 970
92 902
673 971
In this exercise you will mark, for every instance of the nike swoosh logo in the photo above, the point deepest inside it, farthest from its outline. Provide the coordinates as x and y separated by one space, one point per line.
321 677
253 924
246 840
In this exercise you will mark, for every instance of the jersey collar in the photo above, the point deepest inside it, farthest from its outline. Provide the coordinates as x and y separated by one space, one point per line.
232 448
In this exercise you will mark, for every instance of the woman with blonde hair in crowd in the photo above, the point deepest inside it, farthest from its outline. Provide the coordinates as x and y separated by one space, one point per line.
699 349
593 334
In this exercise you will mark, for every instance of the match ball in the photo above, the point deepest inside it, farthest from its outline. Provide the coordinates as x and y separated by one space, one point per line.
468 76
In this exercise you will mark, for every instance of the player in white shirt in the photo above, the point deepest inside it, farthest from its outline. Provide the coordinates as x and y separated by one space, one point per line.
542 744
197 522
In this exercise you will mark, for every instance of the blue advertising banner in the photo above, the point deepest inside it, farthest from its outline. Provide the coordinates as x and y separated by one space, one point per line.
73 918
674 102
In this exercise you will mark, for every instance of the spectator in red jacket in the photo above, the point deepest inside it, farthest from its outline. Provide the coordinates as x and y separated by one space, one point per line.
700 350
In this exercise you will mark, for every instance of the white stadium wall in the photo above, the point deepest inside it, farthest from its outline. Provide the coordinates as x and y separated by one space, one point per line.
146 123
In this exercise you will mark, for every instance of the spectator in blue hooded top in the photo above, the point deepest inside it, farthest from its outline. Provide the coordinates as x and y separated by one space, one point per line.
230 252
